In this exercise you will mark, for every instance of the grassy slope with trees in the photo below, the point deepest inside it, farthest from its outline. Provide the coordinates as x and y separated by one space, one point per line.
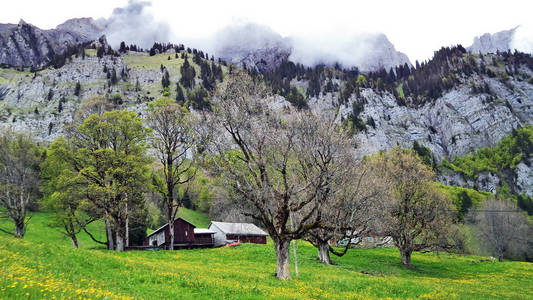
44 258
44 264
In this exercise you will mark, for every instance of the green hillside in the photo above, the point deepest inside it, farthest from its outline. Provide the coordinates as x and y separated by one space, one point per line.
198 219
44 265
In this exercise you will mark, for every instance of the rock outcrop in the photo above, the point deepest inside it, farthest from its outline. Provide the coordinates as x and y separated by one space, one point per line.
25 45
258 46
491 43
253 45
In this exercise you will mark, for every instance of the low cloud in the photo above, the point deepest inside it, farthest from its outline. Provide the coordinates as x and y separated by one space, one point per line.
135 23
523 39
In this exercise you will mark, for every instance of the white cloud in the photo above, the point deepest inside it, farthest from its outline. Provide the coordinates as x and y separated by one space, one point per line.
415 27
523 39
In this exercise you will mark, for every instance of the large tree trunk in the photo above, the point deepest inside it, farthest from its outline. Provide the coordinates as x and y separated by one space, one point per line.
74 240
127 224
120 233
170 200
109 234
323 252
19 228
406 258
282 258
72 234
500 256
119 240
171 234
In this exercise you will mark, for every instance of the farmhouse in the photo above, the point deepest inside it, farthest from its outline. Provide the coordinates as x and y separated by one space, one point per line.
186 235
237 232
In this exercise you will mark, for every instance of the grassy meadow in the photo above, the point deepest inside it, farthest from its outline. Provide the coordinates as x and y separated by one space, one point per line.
44 265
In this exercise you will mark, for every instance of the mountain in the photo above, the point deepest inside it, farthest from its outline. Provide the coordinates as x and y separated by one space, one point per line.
367 52
25 45
258 46
491 43
86 28
253 45
453 104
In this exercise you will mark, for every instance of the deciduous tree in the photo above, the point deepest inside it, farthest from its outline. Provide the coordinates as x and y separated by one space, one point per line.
502 227
110 155
173 139
414 212
19 177
272 162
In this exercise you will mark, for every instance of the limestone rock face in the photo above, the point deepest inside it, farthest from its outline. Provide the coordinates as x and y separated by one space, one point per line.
524 178
260 47
86 28
254 45
25 45
456 124
491 43
382 55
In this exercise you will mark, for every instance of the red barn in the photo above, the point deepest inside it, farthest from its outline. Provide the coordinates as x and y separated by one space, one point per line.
186 235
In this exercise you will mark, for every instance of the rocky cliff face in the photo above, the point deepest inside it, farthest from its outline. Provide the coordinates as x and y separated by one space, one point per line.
455 124
86 28
25 45
253 45
260 47
382 55
491 43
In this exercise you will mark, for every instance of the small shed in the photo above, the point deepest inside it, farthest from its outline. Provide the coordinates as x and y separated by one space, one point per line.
237 232
204 237
186 235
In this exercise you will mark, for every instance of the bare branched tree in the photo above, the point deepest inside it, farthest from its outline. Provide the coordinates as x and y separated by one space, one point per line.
502 228
414 213
350 207
19 177
173 139
277 165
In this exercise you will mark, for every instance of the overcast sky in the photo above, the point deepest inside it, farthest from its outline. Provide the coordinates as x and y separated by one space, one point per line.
416 27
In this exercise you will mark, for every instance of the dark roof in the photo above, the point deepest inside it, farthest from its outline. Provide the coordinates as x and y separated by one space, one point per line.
164 226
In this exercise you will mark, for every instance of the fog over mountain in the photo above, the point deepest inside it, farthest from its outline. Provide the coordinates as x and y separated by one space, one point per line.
257 45
135 23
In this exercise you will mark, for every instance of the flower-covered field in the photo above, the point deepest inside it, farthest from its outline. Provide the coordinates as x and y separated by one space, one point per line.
44 265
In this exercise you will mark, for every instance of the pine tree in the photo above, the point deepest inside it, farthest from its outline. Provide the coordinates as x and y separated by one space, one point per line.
165 81
114 78
122 48
137 85
77 89
180 97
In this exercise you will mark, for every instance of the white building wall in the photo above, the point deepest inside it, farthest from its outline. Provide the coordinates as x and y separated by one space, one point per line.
220 237
159 238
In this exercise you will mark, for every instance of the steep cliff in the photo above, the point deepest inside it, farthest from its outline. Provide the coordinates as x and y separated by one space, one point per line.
25 45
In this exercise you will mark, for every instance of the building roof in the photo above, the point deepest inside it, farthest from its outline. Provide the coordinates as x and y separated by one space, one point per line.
164 226
202 230
239 228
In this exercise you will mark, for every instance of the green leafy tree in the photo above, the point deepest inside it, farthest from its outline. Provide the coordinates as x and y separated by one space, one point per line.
110 155
64 191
